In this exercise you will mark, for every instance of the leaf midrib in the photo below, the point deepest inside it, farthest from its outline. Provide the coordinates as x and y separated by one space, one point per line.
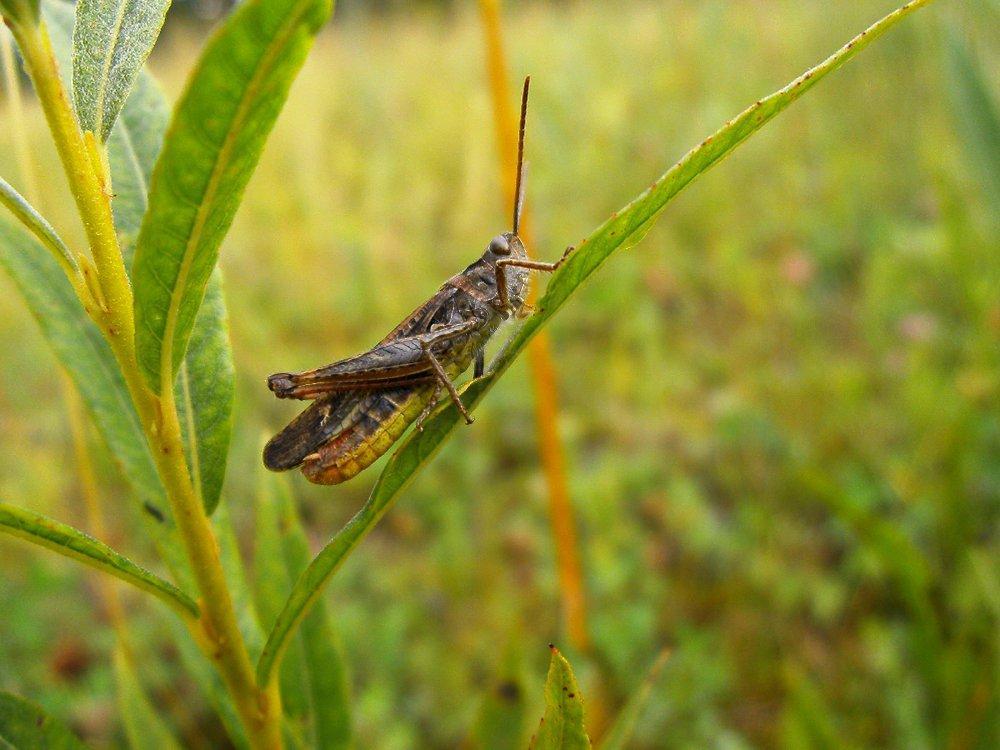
177 295
106 67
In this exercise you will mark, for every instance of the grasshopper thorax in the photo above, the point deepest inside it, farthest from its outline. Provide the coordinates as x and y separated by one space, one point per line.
504 246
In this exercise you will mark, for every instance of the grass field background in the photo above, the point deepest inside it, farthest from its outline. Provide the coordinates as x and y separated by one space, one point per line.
781 410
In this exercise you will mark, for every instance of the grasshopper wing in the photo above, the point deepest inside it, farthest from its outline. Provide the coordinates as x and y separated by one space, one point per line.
390 365
308 431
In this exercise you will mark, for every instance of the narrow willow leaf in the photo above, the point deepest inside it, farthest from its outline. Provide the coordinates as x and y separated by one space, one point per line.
132 150
38 226
71 542
19 11
976 113
25 725
561 727
111 41
272 581
205 392
621 731
236 577
206 385
326 665
80 347
215 139
316 653
502 720
144 727
82 350
88 360
622 230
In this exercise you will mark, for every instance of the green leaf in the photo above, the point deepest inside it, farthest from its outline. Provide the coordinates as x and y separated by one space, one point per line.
502 720
316 653
71 542
618 736
20 11
88 360
38 226
132 151
235 570
204 393
144 727
24 725
206 385
622 230
111 41
77 342
86 356
215 138
272 581
561 727
976 113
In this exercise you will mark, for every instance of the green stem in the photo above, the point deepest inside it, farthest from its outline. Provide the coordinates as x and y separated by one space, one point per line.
216 632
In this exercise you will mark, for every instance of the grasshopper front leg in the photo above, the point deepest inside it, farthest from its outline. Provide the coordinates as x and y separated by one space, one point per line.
531 265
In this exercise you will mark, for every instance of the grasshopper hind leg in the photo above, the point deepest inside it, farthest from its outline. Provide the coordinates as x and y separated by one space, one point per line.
444 380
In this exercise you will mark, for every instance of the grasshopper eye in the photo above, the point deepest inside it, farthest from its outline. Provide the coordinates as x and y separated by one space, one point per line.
499 246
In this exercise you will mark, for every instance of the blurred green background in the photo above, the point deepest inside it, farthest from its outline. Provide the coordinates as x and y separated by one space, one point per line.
781 410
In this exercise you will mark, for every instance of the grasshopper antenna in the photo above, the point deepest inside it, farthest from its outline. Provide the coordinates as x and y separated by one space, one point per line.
519 183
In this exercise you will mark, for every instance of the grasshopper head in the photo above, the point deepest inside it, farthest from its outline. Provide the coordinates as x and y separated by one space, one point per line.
506 245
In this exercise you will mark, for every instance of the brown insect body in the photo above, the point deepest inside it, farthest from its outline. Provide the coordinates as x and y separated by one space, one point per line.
364 403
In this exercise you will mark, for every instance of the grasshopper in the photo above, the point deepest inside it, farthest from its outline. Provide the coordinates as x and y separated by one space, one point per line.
363 404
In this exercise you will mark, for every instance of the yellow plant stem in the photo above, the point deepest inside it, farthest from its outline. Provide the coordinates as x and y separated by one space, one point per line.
83 160
539 357
87 185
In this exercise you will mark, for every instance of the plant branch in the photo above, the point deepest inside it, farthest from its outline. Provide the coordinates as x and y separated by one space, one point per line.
216 632
87 184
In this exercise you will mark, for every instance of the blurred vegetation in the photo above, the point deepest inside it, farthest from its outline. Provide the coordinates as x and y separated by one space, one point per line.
782 410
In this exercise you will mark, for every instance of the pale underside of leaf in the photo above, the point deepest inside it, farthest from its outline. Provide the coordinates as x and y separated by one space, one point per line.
111 40
622 230
205 401
38 226
133 149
